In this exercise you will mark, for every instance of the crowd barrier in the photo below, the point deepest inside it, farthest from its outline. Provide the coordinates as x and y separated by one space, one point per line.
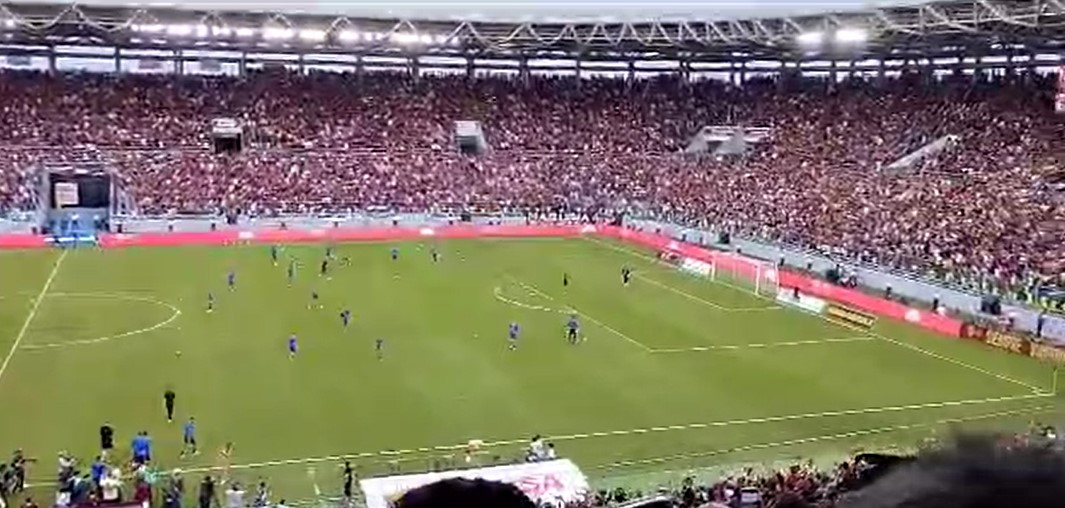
723 260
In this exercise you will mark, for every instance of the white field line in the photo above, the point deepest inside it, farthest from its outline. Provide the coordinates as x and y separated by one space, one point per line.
911 347
768 345
601 324
116 296
625 432
714 280
708 303
498 292
33 312
827 437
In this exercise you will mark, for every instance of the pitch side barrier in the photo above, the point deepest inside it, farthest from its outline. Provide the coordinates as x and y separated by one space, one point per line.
786 279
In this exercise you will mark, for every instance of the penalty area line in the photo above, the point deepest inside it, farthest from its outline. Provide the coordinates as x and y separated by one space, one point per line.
768 345
534 289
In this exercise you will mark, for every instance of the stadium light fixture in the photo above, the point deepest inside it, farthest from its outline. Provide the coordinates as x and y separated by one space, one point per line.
221 31
9 23
151 29
202 31
312 35
851 36
425 39
811 38
404 38
179 30
245 32
348 36
278 33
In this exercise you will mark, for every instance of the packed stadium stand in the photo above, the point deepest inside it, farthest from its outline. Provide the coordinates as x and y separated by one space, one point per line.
987 208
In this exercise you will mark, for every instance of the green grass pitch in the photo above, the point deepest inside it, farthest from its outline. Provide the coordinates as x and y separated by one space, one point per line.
675 372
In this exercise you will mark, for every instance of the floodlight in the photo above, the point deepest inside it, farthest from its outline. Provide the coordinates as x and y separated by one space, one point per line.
221 31
9 23
179 30
851 35
348 36
312 35
425 39
245 32
811 38
202 31
278 33
149 28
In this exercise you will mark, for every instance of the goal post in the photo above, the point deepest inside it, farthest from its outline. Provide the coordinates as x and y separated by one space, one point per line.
745 274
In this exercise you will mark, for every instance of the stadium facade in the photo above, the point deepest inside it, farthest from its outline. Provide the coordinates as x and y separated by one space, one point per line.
995 36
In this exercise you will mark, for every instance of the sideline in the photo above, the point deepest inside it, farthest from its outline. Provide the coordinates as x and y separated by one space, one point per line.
33 312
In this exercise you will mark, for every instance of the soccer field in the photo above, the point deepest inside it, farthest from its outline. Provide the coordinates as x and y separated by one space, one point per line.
676 372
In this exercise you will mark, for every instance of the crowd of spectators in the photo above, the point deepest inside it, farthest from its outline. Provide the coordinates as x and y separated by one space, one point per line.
987 210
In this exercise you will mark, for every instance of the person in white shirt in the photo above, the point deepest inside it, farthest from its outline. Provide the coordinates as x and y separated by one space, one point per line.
111 485
235 496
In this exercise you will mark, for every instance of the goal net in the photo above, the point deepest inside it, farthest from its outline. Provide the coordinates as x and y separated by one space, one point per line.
732 270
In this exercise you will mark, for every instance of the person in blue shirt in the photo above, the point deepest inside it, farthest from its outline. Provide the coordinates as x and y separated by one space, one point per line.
573 329
292 347
98 469
395 253
345 317
231 279
273 254
142 448
210 302
513 331
380 348
189 438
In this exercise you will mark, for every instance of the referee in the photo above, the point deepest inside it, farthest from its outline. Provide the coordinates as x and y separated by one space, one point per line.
168 401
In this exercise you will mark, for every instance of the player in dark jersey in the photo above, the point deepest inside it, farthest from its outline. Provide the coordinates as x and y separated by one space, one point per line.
626 275
565 279
345 317
168 402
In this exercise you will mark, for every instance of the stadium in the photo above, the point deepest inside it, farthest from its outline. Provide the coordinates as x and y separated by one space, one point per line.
610 254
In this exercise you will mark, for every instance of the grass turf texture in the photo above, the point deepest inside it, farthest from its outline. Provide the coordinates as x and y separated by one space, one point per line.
676 372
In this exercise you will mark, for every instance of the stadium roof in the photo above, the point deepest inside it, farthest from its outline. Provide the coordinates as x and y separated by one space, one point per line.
970 28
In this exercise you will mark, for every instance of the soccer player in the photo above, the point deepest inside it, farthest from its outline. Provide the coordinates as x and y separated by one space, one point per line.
189 438
573 329
380 348
225 456
349 479
168 402
325 267
210 302
231 279
345 317
565 279
292 346
513 331
142 448
314 300
273 254
395 253
291 271
329 251
107 439
435 254
626 275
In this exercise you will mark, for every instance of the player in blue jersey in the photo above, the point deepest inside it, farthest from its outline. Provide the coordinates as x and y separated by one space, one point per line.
379 347
210 302
292 346
513 331
189 438
395 253
273 254
231 279
626 275
345 317
573 329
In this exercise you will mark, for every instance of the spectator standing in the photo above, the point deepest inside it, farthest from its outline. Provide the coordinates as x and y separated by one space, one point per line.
18 471
110 487
4 477
235 496
174 491
107 439
262 495
207 494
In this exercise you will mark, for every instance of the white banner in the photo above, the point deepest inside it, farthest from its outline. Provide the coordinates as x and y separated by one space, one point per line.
66 194
695 266
544 482
807 303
